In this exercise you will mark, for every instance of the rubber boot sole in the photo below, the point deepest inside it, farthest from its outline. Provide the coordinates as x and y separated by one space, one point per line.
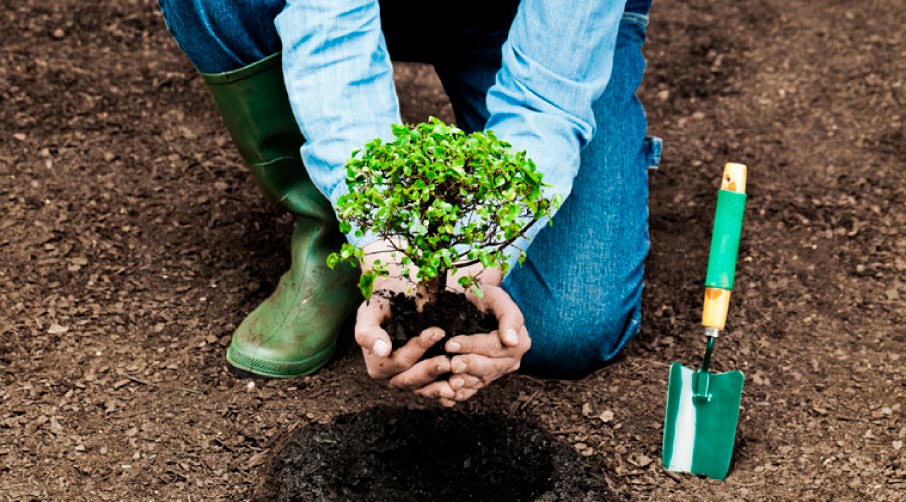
279 369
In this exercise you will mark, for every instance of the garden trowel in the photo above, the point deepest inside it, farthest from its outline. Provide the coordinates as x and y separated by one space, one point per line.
703 407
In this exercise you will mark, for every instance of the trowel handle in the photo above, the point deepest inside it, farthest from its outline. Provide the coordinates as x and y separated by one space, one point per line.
731 205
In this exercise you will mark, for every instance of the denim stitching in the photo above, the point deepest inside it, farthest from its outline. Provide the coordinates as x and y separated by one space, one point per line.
635 17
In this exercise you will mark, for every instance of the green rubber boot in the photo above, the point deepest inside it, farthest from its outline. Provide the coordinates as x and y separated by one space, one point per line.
294 331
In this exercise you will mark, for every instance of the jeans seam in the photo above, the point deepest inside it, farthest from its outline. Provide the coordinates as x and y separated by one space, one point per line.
635 17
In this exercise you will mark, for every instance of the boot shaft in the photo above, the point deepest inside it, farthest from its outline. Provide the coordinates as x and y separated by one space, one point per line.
256 110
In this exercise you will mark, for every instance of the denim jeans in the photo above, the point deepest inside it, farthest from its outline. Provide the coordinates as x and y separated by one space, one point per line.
581 284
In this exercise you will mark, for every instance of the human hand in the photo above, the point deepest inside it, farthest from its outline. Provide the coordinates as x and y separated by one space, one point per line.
483 358
402 368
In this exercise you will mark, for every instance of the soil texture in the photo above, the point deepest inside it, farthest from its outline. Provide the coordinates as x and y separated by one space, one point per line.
396 454
133 242
452 312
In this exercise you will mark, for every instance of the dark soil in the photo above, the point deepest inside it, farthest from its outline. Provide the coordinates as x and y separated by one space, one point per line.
398 454
133 241
452 312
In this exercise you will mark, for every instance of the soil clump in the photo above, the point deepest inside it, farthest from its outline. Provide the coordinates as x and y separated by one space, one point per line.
452 312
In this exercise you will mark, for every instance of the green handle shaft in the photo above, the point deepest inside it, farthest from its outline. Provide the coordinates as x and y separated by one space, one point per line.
725 236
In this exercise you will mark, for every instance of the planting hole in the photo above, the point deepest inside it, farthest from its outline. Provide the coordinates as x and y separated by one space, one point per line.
393 454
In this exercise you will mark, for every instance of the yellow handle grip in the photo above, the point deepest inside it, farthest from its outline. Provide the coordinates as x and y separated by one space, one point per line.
717 301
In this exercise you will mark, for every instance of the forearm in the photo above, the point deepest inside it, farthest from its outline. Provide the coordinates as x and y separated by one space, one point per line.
340 83
556 63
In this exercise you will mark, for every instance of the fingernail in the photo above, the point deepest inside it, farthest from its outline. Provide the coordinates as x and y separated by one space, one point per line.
459 367
457 383
436 337
447 393
454 346
380 348
511 337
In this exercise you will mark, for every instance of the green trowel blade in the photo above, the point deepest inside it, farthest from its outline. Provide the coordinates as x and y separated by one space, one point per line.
700 426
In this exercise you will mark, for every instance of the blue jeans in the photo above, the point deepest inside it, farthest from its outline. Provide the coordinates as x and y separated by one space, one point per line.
580 288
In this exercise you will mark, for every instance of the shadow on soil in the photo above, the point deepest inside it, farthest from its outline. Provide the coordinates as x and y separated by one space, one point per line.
398 454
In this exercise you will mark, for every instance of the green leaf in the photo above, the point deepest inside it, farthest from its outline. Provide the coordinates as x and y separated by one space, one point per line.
399 130
434 186
366 284
332 260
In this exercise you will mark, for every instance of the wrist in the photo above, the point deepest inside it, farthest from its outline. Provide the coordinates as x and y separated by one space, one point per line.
384 252
484 276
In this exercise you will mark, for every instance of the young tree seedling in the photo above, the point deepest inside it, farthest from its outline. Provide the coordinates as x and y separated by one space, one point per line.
443 199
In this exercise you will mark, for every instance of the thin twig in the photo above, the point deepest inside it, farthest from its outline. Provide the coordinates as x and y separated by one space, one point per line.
672 475
529 400
140 380
563 432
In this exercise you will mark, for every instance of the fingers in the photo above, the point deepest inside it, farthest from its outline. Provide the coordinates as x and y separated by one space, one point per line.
404 358
464 393
415 348
465 381
422 374
510 320
368 332
509 317
458 389
437 390
486 368
374 341
440 391
488 345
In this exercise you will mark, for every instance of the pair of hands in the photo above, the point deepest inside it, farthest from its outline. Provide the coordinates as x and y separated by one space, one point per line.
479 359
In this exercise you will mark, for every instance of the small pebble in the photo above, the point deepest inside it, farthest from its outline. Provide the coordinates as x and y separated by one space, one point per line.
58 33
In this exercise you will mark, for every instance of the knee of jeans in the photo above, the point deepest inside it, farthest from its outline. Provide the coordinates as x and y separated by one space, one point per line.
175 7
198 6
574 341
182 15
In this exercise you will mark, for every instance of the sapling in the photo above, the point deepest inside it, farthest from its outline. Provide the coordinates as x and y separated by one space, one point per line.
444 200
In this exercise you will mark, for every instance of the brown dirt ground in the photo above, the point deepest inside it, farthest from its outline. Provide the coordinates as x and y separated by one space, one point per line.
132 242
